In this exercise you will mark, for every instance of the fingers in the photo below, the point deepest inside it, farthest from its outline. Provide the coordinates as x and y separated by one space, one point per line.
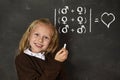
60 51
62 54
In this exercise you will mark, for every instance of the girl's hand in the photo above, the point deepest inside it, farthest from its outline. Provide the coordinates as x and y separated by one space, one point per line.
61 55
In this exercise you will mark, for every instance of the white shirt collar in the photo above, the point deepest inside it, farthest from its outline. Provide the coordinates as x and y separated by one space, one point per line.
38 55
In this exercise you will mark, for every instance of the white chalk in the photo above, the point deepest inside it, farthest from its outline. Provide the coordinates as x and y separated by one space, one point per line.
64 45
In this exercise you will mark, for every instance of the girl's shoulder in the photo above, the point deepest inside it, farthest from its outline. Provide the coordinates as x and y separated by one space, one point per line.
22 57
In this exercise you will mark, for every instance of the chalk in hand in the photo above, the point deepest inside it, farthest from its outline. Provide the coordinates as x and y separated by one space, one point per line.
64 45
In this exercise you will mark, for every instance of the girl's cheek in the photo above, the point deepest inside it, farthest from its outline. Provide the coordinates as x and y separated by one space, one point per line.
48 44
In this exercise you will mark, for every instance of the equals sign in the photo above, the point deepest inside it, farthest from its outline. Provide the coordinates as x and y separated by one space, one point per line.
96 20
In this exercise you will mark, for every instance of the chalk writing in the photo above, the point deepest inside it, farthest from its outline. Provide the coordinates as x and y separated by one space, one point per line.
81 17
108 15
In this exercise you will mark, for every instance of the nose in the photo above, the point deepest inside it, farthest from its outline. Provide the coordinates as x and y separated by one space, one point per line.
40 39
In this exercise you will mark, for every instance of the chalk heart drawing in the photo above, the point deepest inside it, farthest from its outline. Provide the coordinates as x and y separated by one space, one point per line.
108 15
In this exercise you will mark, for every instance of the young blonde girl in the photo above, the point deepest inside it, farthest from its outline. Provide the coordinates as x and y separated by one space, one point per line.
37 59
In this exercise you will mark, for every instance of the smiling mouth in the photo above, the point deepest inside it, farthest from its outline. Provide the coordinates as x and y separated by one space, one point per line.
38 45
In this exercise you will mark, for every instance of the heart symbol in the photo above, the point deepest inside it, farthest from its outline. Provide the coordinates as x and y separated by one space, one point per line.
108 15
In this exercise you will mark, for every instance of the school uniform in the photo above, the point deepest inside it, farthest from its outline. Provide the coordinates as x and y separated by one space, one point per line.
31 66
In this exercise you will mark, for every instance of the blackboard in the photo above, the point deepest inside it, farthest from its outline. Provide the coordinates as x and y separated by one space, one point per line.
90 28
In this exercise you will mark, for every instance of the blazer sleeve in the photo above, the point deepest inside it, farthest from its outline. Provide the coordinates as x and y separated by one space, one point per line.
26 72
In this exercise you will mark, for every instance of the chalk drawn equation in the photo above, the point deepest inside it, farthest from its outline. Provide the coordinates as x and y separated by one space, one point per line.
81 17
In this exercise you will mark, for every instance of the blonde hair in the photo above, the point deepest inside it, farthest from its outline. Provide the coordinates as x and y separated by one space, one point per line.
24 43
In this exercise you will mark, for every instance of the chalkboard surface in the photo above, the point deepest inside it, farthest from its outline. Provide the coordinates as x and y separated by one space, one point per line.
90 28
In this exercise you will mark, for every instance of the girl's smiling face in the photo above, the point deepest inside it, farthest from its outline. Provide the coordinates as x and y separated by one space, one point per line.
40 37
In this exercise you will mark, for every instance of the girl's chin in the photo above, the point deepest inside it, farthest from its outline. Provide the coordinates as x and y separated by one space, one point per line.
38 51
